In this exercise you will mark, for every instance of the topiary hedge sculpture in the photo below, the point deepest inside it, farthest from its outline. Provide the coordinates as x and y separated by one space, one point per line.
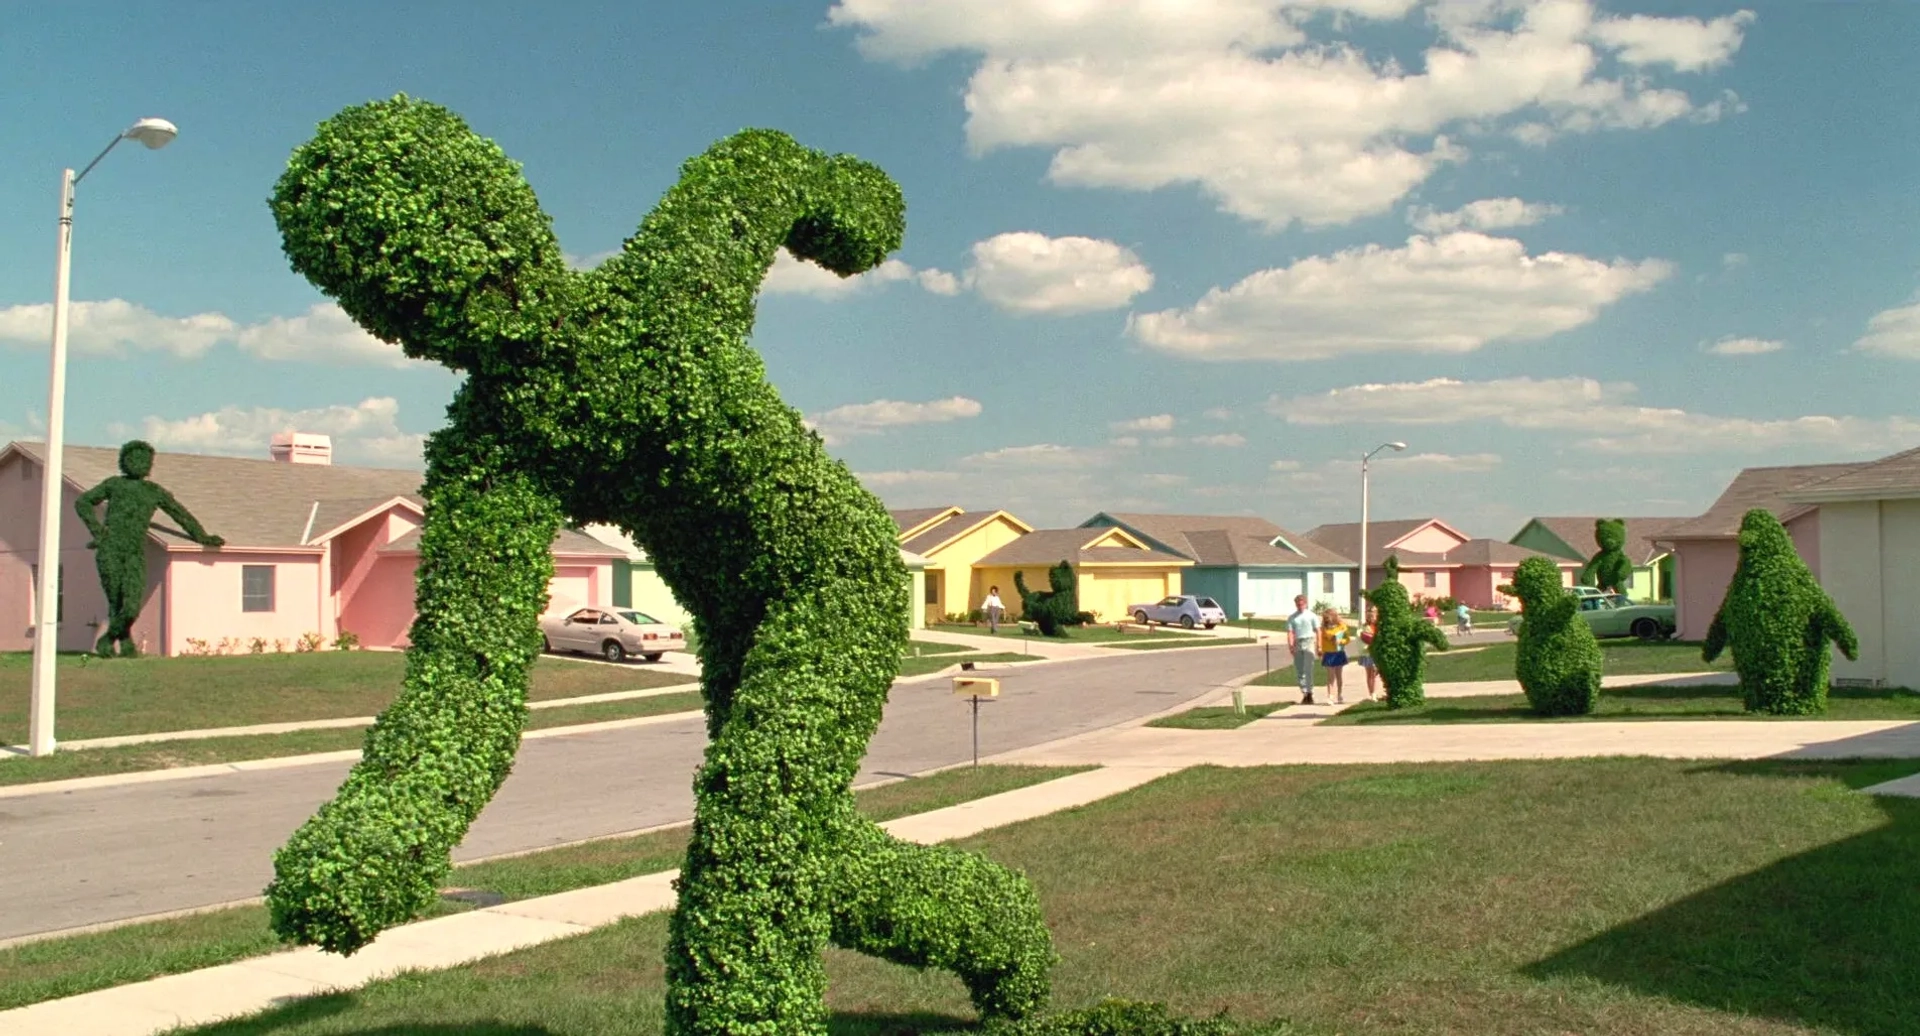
1610 569
628 394
119 543
1400 641
1557 660
1052 610
1778 621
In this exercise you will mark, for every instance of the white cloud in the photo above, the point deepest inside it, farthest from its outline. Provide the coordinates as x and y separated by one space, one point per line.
1234 97
1218 413
367 432
1450 294
1156 423
323 334
791 276
1485 214
1124 442
1446 462
1732 260
1026 272
1227 439
1284 465
1893 332
1040 455
1731 346
914 477
1601 416
1164 480
1683 44
853 419
588 262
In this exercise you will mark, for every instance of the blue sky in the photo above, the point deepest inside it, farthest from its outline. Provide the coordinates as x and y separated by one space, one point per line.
1583 258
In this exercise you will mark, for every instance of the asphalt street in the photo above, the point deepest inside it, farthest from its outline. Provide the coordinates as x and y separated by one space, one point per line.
103 854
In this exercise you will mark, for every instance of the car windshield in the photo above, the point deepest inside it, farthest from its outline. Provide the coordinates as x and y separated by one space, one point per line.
639 618
1206 602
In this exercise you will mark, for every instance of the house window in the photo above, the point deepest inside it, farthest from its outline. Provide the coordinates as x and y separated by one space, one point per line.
256 588
59 593
933 590
1433 579
1326 582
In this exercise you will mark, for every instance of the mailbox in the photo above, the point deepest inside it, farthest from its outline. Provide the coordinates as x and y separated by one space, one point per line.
976 686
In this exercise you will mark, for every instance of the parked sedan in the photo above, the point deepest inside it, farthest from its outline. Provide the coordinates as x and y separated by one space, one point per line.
611 633
1616 615
1187 610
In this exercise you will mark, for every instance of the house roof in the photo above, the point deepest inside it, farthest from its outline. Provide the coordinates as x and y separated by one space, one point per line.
1485 552
247 502
1753 487
1241 540
954 527
570 542
1343 538
1641 534
911 518
1052 546
1889 478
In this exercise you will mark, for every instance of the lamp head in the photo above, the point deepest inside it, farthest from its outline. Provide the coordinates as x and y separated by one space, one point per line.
154 133
1397 445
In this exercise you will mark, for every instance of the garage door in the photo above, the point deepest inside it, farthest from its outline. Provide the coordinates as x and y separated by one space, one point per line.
1108 595
571 588
1271 593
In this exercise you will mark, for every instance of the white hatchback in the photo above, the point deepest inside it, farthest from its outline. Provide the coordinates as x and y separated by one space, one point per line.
611 633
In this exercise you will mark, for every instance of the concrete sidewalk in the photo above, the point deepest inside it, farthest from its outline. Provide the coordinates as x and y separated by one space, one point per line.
211 994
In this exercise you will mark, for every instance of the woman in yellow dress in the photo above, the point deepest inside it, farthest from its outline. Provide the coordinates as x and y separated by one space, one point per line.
1334 634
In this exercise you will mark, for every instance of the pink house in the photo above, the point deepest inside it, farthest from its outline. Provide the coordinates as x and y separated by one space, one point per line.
1706 549
311 547
1436 559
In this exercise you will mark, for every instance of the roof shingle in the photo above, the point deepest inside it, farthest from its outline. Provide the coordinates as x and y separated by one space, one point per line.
1052 546
1641 534
1239 540
1897 475
1343 538
1753 487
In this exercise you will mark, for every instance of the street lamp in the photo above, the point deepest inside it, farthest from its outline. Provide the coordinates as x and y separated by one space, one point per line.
1360 584
155 134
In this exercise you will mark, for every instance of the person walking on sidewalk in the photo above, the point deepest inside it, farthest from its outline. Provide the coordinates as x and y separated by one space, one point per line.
994 609
1334 634
1303 636
1367 632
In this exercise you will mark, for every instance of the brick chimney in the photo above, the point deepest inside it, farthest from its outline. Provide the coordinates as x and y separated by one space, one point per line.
302 448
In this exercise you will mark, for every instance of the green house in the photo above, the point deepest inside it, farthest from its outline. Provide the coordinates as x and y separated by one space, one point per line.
1572 538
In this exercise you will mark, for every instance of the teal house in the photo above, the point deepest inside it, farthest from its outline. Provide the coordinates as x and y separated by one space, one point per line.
1246 564
1572 538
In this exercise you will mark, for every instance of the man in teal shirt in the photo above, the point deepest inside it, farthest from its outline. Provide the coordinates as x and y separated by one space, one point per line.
1303 639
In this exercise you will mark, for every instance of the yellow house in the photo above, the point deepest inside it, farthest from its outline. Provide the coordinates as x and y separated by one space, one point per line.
1113 570
951 541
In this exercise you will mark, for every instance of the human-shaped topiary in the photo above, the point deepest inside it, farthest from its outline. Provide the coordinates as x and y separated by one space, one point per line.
1778 622
1400 640
628 394
1056 609
1609 569
119 542
1557 660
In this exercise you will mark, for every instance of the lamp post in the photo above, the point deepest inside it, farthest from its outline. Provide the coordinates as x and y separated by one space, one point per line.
155 134
1360 584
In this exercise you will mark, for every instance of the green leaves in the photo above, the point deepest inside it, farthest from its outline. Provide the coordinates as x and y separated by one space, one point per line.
1778 623
1400 640
1558 661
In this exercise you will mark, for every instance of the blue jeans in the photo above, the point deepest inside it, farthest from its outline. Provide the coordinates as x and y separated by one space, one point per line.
1303 669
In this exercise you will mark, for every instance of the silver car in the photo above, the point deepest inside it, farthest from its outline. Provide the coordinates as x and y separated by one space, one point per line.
611 633
1188 610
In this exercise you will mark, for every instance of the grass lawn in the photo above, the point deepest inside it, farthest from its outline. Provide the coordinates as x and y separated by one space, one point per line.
107 697
934 663
63 967
166 755
1630 897
1216 717
1648 702
1495 662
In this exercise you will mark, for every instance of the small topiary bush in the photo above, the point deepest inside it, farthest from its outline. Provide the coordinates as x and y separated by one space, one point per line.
1400 641
1610 569
1778 621
628 395
1557 660
120 541
1129 1018
1052 610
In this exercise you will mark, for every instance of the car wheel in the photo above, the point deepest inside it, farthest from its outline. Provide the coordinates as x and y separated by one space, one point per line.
1186 622
1646 629
1141 618
653 657
613 652
546 646
1209 625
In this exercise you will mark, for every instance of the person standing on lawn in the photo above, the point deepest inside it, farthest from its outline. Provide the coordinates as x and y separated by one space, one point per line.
1303 636
994 609
1334 634
1367 631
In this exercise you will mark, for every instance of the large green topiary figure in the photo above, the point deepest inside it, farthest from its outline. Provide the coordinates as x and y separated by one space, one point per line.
1557 661
1610 569
120 542
1052 610
628 394
1778 621
1400 641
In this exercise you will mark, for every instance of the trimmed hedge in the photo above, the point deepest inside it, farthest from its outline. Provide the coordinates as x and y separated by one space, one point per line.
628 394
1052 610
1557 661
1609 569
1778 621
119 543
1400 641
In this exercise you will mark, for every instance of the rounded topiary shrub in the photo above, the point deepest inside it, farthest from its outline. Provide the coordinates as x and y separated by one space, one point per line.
1400 640
1778 622
1609 569
1557 661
